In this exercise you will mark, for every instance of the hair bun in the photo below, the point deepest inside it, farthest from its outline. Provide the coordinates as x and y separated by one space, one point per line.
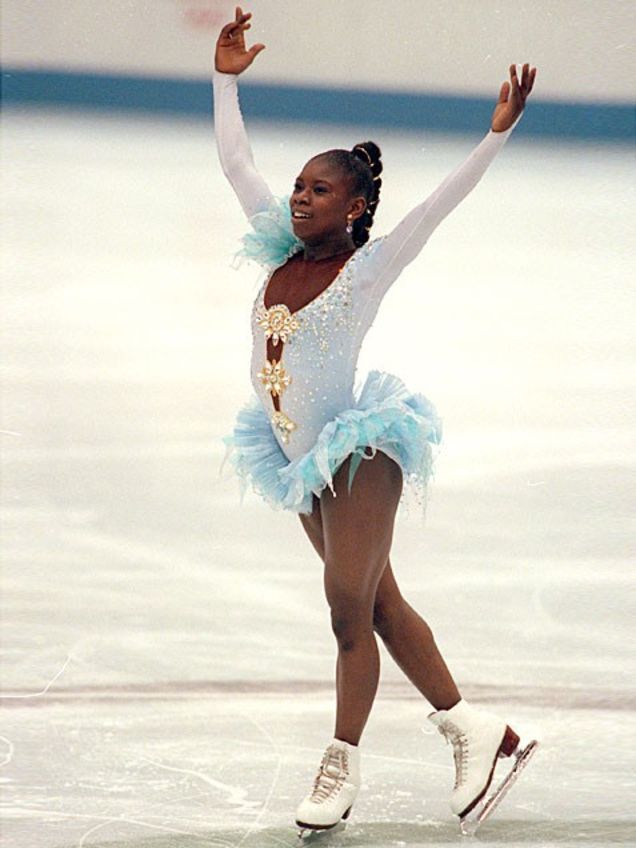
369 153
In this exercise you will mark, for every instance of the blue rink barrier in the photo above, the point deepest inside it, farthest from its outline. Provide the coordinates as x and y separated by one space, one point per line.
453 113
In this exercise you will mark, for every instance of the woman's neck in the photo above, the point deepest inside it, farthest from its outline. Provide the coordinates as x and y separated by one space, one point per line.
327 249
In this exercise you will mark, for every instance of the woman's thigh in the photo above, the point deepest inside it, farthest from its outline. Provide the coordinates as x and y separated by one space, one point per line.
312 525
358 526
388 599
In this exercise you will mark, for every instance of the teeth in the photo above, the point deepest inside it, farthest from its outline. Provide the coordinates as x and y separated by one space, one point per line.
301 215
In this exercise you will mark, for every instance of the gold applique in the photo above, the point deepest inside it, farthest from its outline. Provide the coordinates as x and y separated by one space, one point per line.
274 377
284 425
278 322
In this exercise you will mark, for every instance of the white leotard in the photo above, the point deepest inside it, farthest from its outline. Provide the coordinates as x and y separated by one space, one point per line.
320 354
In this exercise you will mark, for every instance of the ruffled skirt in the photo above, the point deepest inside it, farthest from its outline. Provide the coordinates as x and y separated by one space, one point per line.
385 417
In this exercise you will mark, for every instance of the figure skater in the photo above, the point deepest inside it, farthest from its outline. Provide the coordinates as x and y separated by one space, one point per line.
307 443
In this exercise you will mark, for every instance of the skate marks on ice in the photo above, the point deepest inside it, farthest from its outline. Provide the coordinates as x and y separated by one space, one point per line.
217 783
542 834
564 697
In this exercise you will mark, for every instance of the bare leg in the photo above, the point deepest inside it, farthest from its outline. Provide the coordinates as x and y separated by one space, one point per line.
312 525
410 641
357 533
407 637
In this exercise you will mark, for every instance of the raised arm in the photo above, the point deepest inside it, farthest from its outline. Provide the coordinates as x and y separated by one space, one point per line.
404 243
235 154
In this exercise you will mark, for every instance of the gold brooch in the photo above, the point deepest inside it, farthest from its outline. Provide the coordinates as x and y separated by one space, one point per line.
274 377
284 425
278 322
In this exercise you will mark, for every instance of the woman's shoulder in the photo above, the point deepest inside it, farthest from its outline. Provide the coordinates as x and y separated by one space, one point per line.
365 252
373 244
364 267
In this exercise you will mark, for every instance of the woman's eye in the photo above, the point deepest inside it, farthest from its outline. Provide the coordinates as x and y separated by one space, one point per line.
317 189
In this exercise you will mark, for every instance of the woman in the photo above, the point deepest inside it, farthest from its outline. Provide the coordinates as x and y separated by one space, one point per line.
302 440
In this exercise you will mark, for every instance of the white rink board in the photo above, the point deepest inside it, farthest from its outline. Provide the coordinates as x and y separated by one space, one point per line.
461 47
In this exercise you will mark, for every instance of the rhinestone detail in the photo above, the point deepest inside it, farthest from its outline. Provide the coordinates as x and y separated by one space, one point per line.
274 377
278 322
284 425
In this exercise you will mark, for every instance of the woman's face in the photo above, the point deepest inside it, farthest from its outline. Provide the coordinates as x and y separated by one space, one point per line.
321 201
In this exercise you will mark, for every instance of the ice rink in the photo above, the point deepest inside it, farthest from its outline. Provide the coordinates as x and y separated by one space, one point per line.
167 656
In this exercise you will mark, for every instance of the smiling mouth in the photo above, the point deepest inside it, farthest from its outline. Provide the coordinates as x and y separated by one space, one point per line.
300 216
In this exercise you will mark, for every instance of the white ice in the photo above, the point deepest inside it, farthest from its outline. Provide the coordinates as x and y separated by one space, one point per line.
167 658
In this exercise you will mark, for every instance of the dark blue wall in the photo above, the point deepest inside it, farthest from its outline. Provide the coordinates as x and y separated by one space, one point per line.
594 121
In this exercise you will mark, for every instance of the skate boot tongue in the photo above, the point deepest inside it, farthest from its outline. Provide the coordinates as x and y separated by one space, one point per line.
334 764
332 770
445 725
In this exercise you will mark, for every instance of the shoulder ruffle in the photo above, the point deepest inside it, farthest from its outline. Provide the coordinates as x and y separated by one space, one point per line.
272 239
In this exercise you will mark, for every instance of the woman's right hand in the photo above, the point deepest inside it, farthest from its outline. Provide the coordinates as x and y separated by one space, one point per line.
231 57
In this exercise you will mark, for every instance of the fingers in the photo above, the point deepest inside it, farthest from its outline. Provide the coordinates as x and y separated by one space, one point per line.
504 91
520 90
255 50
234 32
527 79
513 79
238 25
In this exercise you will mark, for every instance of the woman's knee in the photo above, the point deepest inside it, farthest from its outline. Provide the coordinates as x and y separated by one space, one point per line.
388 604
351 617
387 615
389 607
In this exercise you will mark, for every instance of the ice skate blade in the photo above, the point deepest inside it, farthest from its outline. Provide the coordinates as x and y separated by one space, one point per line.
307 831
311 836
469 824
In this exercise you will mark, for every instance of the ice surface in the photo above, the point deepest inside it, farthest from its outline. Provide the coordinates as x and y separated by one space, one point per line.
167 661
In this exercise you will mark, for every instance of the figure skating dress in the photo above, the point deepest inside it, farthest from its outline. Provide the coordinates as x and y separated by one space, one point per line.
291 454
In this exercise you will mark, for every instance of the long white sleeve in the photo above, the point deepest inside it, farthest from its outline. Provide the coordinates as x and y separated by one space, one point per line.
408 238
235 153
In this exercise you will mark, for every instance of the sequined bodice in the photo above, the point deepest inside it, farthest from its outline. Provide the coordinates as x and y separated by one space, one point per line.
318 345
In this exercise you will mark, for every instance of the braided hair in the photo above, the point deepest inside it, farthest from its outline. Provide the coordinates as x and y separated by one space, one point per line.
363 163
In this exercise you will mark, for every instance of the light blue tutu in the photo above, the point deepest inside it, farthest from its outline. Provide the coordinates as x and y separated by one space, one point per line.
386 417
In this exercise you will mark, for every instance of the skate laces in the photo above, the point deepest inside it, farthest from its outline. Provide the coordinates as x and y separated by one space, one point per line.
334 768
459 742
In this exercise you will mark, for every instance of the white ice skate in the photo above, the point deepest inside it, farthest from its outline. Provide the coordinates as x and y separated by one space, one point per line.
336 787
479 739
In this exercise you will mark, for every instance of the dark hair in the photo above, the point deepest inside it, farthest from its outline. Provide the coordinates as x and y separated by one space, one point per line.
363 163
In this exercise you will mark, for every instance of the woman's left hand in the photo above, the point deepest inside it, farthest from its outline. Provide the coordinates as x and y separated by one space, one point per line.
512 98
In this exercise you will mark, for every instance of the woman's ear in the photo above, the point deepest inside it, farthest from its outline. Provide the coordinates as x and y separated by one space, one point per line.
357 207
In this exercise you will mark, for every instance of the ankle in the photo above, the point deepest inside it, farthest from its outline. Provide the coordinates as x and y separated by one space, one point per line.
350 739
446 704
